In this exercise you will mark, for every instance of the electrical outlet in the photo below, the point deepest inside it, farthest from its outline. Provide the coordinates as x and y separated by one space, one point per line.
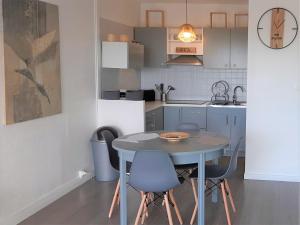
82 173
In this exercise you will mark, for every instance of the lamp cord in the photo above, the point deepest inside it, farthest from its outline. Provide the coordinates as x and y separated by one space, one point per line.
186 11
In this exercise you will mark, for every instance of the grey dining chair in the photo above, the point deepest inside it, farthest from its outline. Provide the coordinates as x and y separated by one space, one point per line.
154 172
108 134
220 175
187 127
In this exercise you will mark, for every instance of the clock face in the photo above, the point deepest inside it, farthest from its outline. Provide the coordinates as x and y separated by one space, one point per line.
277 28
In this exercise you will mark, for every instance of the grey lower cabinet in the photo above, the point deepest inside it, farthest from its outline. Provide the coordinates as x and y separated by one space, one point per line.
154 40
238 128
173 116
155 119
228 122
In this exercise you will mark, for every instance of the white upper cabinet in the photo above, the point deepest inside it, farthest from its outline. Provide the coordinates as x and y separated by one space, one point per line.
122 55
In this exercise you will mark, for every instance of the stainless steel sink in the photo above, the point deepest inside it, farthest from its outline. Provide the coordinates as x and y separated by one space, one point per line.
228 104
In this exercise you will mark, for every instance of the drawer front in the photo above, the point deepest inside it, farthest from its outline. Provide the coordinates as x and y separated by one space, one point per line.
171 118
194 115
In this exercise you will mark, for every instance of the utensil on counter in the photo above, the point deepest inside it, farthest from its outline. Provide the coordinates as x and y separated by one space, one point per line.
170 88
164 94
174 136
158 88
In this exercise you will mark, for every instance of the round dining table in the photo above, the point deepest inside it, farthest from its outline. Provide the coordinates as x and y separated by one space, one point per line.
198 148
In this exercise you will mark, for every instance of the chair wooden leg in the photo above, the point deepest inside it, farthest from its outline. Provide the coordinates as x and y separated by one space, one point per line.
194 190
230 196
196 201
144 213
148 201
118 200
176 207
137 219
115 199
145 204
194 214
225 203
168 209
145 210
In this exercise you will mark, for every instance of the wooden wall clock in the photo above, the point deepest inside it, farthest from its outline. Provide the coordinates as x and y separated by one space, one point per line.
277 28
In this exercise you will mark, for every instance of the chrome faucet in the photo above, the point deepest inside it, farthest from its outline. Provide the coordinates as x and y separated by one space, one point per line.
234 98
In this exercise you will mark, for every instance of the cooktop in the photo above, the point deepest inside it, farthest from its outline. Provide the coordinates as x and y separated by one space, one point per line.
192 102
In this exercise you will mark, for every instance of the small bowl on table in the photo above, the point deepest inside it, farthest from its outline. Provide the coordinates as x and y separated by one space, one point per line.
174 136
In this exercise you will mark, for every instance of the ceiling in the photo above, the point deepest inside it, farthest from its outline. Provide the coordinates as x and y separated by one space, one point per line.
200 1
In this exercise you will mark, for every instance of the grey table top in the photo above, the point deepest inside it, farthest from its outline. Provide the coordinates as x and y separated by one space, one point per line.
199 142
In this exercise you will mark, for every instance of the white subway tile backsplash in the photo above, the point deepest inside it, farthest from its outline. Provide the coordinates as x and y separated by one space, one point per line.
193 82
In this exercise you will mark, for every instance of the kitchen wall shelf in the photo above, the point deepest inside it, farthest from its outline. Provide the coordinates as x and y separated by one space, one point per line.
173 43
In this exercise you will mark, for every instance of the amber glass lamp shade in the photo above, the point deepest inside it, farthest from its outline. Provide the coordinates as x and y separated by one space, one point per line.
187 33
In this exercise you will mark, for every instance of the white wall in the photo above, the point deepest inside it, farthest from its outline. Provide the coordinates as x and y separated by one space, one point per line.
273 103
124 12
198 14
39 159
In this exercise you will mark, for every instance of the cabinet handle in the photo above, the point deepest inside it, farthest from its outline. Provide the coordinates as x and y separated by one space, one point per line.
234 120
227 120
180 116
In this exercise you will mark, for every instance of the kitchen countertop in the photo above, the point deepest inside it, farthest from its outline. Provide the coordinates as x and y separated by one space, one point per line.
149 106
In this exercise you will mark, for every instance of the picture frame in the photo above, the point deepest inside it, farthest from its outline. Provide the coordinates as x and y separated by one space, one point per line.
219 15
236 19
155 13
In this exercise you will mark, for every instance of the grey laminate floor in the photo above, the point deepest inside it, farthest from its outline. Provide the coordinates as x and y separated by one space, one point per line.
258 203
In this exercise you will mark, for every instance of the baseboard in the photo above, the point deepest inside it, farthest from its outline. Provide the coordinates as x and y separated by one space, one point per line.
44 201
271 177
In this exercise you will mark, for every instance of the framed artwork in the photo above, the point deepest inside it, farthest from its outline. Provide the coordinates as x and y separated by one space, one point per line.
155 18
240 20
218 19
32 80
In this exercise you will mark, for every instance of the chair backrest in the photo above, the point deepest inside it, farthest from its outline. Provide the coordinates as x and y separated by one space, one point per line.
153 171
188 127
232 166
108 134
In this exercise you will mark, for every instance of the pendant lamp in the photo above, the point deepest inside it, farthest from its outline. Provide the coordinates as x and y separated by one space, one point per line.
187 33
